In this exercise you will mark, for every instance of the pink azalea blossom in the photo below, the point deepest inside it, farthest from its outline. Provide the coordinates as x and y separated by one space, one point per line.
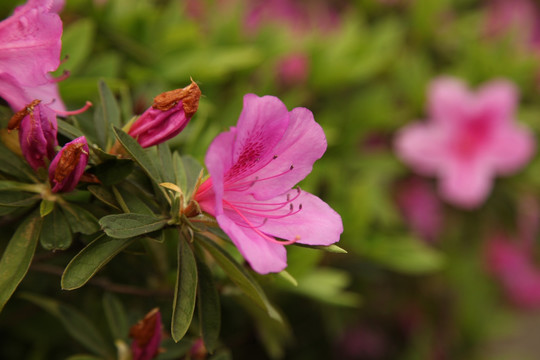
30 42
37 135
293 69
146 336
167 117
68 165
512 263
253 168
420 207
520 18
468 140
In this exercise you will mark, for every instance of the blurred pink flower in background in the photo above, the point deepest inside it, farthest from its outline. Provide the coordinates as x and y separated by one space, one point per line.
468 139
363 342
29 50
520 18
420 207
293 69
512 263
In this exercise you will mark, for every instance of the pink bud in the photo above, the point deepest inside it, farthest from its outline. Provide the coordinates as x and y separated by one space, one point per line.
37 132
68 165
167 117
146 336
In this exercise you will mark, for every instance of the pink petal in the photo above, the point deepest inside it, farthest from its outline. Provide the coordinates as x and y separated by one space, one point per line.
48 94
12 91
511 148
30 46
421 146
261 126
315 224
466 184
303 143
449 100
264 256
499 98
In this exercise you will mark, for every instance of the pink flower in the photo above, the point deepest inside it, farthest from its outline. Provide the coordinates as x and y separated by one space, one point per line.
37 133
468 139
167 117
293 69
512 263
68 165
146 336
420 207
520 18
29 49
253 168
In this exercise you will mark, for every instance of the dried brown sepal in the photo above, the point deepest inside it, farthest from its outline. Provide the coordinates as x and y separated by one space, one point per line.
189 96
143 331
16 119
68 161
89 178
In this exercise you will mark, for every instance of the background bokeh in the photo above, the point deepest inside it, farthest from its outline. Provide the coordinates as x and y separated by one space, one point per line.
416 282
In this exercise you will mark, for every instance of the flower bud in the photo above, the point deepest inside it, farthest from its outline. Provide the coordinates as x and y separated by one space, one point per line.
37 132
68 165
167 117
146 336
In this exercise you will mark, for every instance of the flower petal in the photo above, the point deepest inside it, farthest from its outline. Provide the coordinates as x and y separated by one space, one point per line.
511 148
422 146
263 255
449 100
302 144
499 99
466 184
315 223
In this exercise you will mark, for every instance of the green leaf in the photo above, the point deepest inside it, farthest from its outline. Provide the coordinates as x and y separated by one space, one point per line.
14 165
104 195
193 171
111 111
129 202
11 201
208 304
79 219
76 324
166 166
331 248
129 225
77 42
116 316
68 130
185 291
58 234
238 275
404 254
113 171
179 171
7 185
91 259
45 207
327 284
138 155
18 255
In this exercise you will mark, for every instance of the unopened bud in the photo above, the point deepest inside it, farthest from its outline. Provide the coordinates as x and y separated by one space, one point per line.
68 165
146 336
167 117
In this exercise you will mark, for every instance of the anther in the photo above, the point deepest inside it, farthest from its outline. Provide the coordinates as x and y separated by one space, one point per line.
275 157
292 167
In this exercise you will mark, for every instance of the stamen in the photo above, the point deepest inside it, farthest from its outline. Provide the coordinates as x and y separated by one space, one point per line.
241 186
62 77
74 112
255 228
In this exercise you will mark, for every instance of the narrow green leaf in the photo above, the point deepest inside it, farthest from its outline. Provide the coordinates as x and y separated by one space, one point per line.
129 202
68 130
209 308
18 255
111 111
91 259
193 170
116 316
7 185
101 193
14 165
185 291
45 207
238 275
167 168
79 219
129 225
138 154
113 171
76 324
58 234
331 248
11 201
179 171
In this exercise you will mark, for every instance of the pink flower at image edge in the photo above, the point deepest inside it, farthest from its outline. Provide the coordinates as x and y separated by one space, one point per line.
468 139
253 168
